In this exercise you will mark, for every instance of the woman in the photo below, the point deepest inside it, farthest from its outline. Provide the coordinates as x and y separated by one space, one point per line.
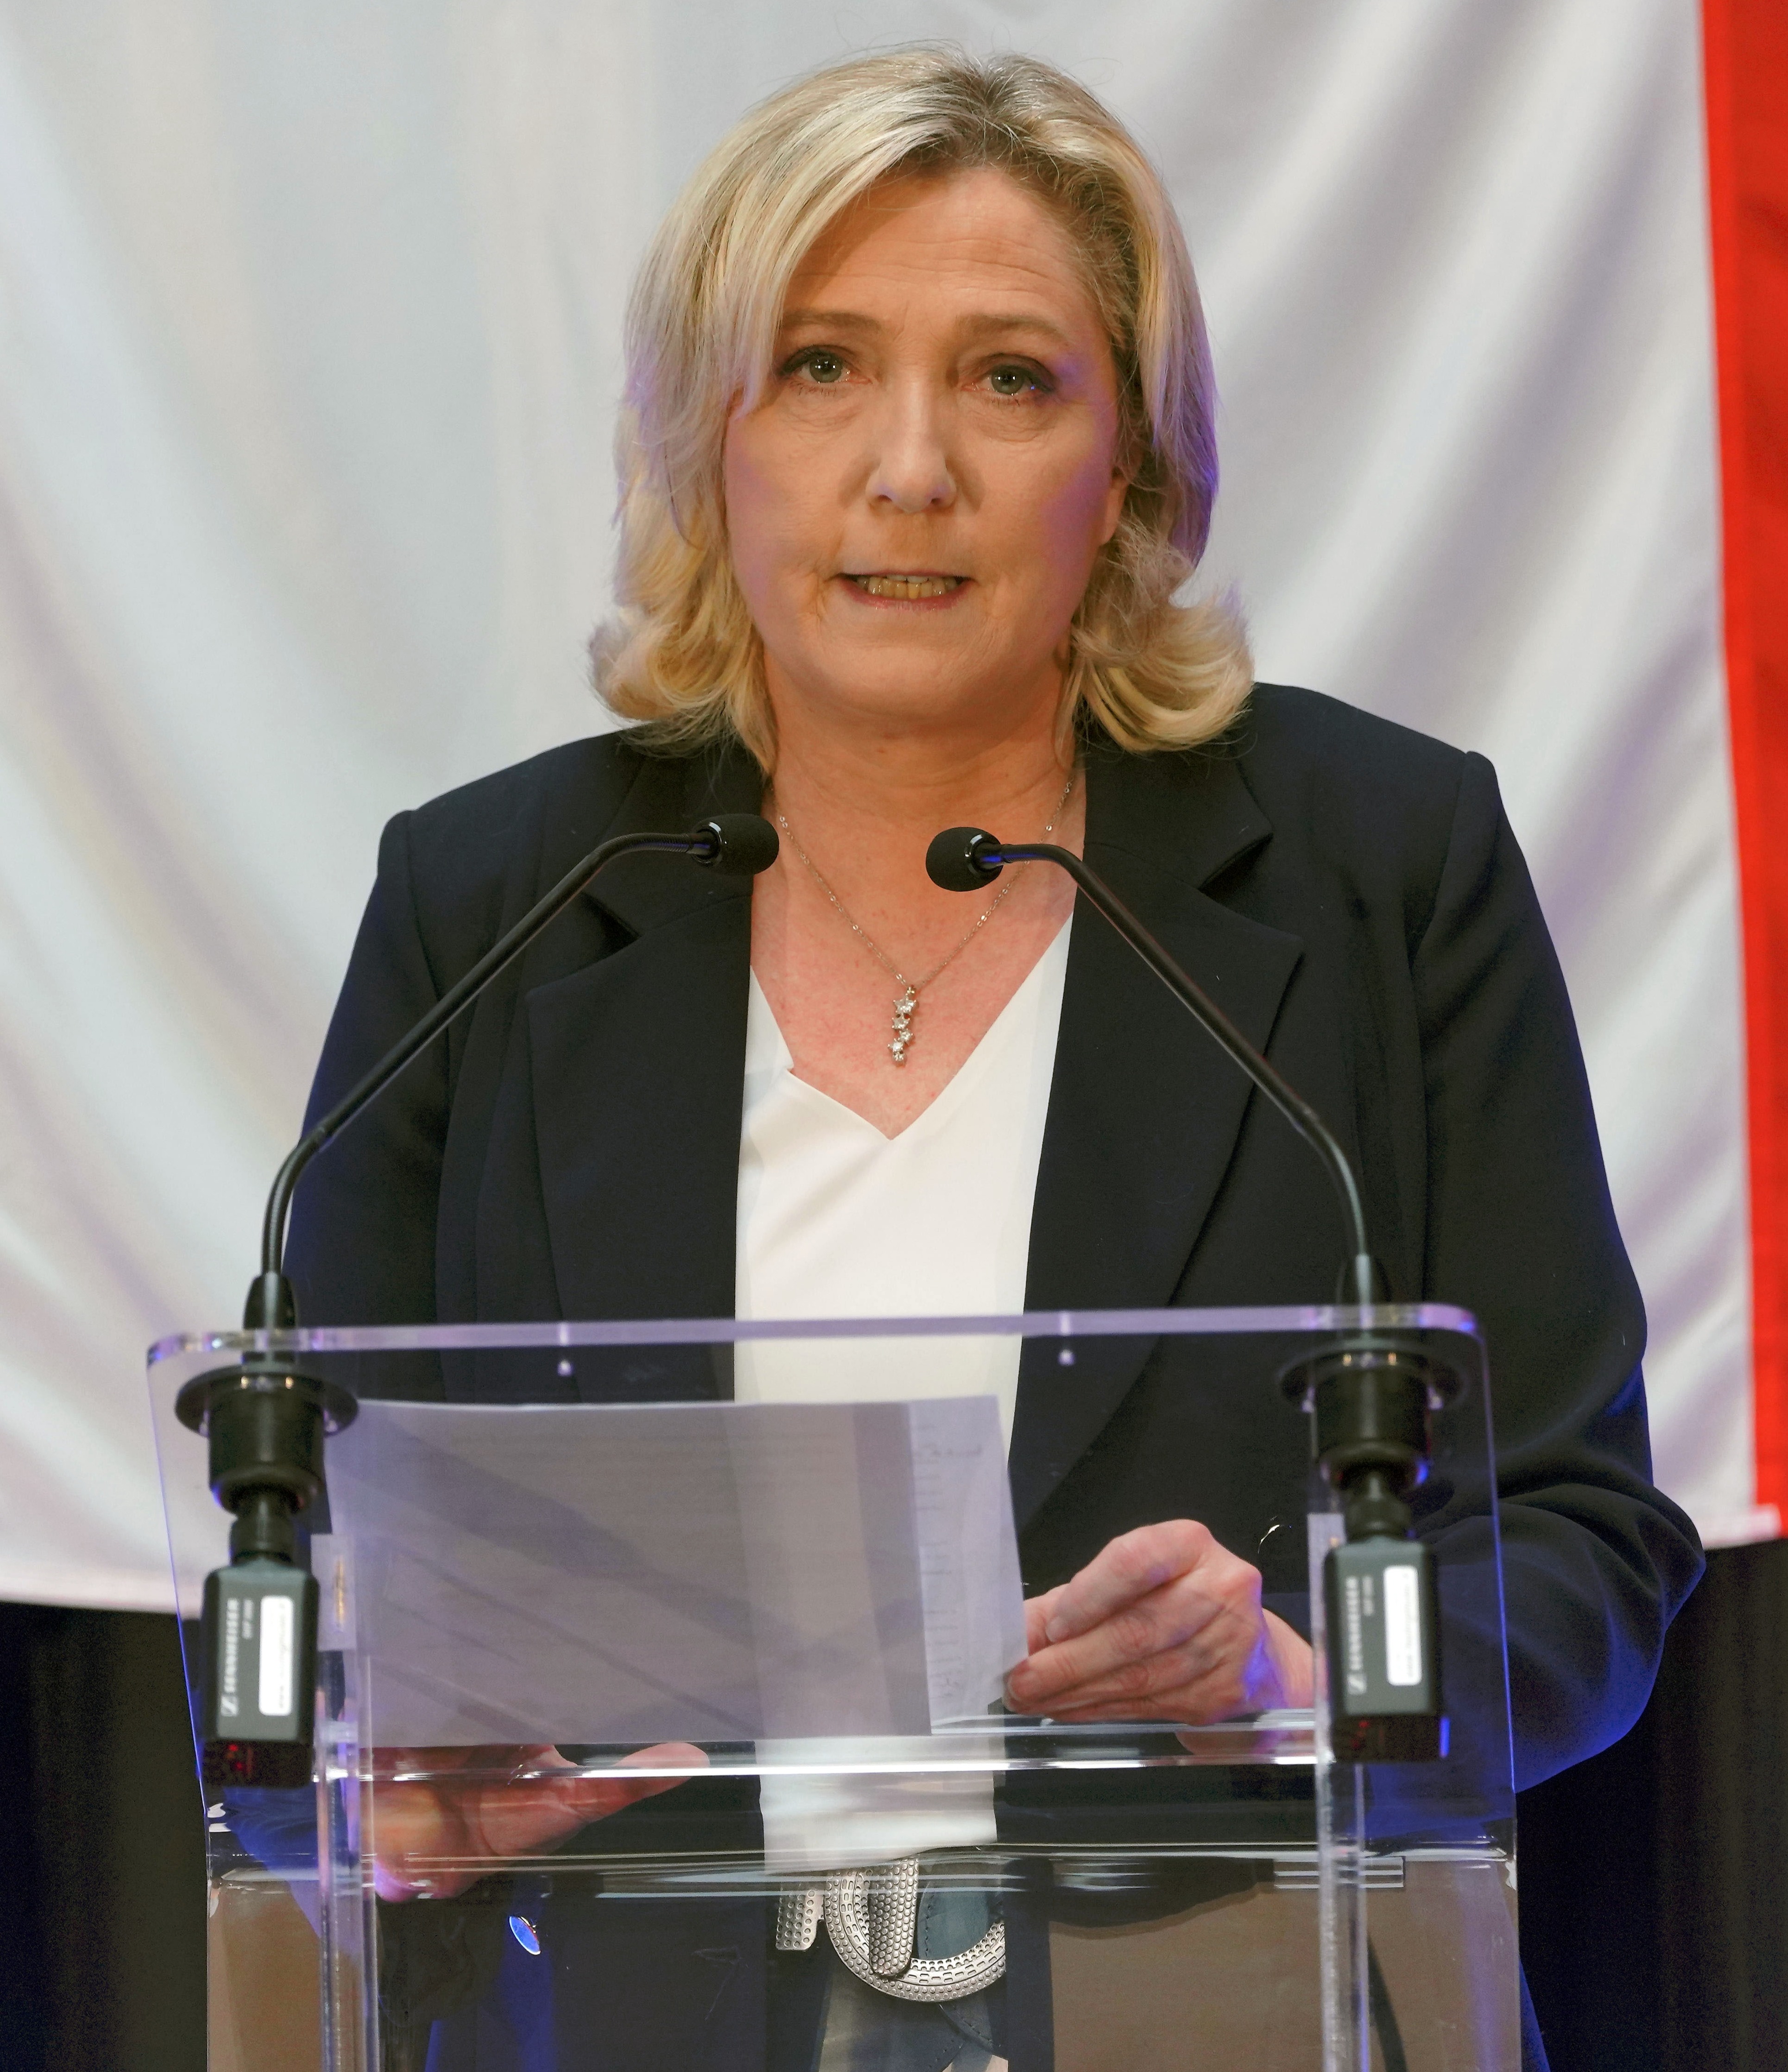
917 453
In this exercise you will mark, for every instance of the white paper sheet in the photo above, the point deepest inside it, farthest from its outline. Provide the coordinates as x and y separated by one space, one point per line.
706 1571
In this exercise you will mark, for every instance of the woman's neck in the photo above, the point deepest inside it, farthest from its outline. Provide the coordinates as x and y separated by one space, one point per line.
857 816
865 805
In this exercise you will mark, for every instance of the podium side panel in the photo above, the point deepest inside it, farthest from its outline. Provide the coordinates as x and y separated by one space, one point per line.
265 1979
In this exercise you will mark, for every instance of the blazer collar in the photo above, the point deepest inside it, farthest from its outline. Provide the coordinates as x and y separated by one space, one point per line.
1189 814
670 795
637 1066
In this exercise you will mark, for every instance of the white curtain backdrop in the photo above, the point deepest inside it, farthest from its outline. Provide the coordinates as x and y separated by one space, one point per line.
309 323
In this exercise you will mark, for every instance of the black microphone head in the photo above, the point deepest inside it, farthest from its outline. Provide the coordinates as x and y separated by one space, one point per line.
963 859
741 844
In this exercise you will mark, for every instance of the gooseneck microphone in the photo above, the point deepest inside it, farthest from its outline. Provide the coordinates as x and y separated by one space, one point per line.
1370 1397
266 1420
967 859
740 844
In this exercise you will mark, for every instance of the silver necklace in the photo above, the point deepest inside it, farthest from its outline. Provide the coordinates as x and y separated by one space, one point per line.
907 1003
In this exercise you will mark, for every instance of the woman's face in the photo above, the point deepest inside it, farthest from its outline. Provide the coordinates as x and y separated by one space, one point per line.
915 505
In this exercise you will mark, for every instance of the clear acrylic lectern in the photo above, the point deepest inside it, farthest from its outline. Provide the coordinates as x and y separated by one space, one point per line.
659 1720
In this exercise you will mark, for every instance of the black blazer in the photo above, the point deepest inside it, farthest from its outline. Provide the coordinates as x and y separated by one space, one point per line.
1347 890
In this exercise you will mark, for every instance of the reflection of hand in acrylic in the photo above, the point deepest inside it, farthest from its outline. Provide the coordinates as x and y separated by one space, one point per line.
434 1834
1162 1624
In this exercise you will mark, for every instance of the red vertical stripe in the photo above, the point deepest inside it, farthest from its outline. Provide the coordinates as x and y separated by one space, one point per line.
1747 90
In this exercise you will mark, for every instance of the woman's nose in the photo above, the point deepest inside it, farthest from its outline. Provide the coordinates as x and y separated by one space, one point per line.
912 469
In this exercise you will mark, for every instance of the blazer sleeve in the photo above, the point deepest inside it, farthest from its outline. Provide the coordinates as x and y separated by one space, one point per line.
362 1245
1521 1230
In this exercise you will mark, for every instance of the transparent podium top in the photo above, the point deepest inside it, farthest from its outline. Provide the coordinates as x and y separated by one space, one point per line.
801 1549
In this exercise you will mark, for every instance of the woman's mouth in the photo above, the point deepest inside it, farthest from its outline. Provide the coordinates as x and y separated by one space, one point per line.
907 589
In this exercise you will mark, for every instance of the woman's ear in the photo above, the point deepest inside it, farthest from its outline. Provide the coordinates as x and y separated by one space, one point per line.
1127 461
1121 480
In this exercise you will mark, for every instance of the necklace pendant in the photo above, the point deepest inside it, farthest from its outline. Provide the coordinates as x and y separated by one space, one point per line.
903 1024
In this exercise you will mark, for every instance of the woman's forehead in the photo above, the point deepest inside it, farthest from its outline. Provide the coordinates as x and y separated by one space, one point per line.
977 240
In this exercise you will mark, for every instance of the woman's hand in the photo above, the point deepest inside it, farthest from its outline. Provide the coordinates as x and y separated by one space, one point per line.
432 1840
1162 1624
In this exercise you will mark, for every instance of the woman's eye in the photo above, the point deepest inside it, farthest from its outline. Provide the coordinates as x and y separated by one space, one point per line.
1014 381
824 367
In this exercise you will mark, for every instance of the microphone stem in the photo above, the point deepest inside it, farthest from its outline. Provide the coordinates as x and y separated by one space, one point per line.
459 996
1297 1111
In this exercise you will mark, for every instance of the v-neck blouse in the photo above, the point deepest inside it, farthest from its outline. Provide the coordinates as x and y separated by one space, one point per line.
835 1219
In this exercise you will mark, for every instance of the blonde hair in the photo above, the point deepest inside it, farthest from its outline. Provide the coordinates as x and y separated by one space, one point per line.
683 655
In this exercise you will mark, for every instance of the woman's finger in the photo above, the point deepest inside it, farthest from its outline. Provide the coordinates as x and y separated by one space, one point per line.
1127 1567
1135 1679
435 1839
1169 1619
1037 1612
1232 1667
596 1797
530 1812
1213 1667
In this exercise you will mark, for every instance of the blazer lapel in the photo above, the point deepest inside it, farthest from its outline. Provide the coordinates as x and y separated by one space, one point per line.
636 1064
1144 1109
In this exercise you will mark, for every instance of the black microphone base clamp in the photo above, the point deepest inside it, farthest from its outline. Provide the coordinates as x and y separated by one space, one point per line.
264 1420
1371 1400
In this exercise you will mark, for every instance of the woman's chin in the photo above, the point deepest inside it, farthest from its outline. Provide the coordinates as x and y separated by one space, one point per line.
909 670
914 694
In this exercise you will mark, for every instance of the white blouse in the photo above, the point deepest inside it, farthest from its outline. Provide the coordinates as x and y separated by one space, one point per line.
836 1220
